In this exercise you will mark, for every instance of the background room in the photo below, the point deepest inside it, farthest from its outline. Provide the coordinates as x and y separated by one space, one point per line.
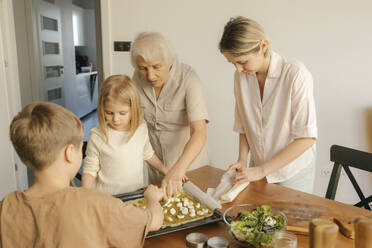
330 37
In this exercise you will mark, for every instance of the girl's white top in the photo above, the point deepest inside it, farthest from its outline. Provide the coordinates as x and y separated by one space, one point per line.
286 112
118 164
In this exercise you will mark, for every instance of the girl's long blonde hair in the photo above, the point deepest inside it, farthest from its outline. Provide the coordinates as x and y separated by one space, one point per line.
121 89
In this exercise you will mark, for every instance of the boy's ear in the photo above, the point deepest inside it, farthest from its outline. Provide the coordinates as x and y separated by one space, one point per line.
69 152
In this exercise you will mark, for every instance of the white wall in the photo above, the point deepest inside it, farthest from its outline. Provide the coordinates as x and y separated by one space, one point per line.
332 38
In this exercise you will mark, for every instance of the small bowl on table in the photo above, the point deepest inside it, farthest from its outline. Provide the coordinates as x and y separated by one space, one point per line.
248 235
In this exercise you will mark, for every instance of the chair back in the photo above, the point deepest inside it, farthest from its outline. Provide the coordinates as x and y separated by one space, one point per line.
344 157
84 150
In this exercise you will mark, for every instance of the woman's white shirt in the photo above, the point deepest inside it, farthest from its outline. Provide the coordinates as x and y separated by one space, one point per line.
118 164
286 112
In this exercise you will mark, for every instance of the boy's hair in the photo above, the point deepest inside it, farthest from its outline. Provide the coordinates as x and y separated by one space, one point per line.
40 130
120 89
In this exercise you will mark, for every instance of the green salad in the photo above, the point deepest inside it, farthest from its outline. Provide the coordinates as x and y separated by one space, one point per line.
257 227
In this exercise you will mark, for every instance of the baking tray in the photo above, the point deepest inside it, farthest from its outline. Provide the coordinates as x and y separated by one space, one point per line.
215 217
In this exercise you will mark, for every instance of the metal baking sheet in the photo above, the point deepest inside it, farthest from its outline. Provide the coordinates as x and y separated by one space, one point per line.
215 217
131 195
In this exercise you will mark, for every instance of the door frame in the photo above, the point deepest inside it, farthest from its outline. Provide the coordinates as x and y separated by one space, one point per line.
10 83
105 36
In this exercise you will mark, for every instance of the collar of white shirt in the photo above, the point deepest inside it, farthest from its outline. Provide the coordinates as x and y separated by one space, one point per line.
276 66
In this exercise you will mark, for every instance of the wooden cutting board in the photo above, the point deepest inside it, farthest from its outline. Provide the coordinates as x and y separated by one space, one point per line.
300 214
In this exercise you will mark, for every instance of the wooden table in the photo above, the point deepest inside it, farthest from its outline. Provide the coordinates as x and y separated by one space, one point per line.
256 193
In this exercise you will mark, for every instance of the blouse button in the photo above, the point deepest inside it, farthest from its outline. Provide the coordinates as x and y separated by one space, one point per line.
157 126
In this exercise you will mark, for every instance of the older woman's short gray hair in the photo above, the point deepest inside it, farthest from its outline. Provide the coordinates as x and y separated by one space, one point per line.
149 45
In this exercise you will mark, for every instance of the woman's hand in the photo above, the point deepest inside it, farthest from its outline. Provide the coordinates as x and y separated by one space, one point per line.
171 186
172 183
185 179
249 174
237 166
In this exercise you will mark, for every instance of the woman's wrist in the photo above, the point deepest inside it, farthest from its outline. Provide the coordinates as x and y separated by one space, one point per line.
263 170
164 170
176 173
242 161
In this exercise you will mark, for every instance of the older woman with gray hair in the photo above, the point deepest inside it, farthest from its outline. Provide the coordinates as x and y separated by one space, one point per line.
174 109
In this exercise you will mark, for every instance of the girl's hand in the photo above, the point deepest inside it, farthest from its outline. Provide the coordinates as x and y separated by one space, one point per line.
249 174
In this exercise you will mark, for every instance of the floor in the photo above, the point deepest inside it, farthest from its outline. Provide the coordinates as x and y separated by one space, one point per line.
89 121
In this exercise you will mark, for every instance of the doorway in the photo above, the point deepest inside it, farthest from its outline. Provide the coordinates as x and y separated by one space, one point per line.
50 65
50 56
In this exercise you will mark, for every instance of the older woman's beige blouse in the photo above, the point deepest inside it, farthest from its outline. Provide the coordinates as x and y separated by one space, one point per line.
168 118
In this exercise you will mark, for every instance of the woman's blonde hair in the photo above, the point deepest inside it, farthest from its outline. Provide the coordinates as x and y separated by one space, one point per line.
242 36
120 89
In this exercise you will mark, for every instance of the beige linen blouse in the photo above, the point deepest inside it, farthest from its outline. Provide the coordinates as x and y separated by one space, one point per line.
286 112
168 118
71 217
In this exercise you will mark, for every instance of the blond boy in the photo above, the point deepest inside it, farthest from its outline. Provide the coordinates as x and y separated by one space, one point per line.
48 139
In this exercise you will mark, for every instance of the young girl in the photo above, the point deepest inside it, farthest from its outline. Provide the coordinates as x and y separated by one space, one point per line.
117 147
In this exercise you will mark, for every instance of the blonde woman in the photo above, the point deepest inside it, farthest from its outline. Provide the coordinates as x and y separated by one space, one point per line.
274 109
174 109
119 145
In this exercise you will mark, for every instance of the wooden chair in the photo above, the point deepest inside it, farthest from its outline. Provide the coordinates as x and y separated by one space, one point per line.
344 157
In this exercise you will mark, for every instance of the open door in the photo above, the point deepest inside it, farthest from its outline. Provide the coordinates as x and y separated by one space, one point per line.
50 49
